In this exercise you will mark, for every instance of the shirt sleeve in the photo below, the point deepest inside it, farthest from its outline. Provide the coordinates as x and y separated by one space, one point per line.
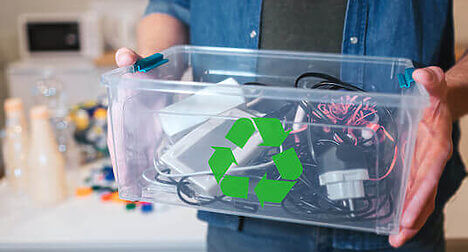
179 9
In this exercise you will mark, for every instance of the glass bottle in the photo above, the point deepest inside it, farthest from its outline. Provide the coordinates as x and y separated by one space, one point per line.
15 144
45 162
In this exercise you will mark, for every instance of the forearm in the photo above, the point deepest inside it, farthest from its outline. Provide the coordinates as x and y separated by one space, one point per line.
457 82
157 32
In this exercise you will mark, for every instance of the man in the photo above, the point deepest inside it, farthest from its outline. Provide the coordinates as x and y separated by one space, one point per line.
419 30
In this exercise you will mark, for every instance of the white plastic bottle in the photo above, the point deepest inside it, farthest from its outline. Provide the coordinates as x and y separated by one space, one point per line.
15 144
45 163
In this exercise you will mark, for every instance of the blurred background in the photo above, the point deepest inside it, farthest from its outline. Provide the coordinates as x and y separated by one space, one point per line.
52 53
66 81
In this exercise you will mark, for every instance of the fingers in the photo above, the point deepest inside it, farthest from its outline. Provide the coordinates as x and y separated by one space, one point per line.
415 222
401 238
423 193
126 57
110 144
420 206
421 197
433 79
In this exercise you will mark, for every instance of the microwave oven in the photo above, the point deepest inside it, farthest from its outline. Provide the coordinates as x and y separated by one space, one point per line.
60 34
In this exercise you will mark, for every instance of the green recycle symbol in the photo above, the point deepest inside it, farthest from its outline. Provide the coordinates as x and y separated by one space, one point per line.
287 162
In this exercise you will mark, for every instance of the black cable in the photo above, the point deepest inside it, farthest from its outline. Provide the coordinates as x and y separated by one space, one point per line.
315 75
169 181
312 207
330 83
254 84
336 86
187 195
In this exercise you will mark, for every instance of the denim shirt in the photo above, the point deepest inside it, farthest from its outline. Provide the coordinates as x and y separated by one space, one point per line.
420 30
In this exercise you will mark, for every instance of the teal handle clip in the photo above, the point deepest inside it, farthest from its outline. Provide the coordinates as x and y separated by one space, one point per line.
149 63
406 80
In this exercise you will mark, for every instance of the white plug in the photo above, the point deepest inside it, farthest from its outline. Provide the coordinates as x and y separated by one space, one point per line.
298 118
344 184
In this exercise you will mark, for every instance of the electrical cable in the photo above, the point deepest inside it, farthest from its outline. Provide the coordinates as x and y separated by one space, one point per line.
204 173
338 139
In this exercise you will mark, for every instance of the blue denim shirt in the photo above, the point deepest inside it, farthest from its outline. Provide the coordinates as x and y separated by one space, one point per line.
418 30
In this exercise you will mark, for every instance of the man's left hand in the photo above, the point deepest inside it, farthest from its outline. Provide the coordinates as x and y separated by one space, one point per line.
433 149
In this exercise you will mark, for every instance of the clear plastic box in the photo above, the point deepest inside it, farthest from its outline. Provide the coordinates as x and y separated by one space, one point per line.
226 130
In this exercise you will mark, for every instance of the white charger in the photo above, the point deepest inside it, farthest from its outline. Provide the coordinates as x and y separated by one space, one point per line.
197 108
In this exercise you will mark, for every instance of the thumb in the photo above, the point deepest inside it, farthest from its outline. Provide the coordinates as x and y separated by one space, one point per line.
126 57
433 79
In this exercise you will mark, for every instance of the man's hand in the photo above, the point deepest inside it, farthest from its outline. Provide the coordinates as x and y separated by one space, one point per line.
433 149
155 32
126 57
123 57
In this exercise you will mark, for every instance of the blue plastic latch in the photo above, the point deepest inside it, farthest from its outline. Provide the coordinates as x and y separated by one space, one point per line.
147 64
406 80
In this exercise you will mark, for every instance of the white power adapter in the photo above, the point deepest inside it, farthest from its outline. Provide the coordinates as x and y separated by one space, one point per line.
197 108
344 184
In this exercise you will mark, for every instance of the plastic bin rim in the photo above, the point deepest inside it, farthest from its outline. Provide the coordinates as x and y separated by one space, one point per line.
421 100
284 53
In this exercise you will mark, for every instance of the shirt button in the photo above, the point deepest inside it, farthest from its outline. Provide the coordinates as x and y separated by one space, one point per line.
253 34
353 40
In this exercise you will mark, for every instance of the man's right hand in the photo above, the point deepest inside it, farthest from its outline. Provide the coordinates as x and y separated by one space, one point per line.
126 57
123 57
155 32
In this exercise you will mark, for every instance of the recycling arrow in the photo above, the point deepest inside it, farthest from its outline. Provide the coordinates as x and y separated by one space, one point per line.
220 161
287 162
240 132
234 186
272 190
271 130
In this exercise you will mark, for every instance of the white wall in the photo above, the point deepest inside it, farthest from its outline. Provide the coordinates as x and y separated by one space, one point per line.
460 11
